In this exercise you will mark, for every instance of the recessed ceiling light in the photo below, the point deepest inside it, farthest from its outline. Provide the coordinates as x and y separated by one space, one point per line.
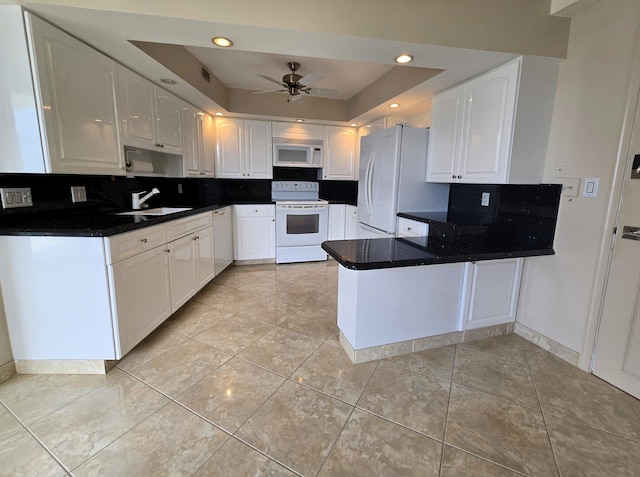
353 125
221 41
299 120
168 81
219 114
404 59
394 105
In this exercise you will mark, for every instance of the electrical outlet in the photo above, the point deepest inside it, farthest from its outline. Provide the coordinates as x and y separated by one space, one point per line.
16 197
561 169
78 194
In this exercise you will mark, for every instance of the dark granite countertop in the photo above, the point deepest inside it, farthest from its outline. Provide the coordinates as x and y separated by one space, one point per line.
372 254
98 223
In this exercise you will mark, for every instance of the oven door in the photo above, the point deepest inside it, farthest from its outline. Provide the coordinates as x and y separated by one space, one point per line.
301 224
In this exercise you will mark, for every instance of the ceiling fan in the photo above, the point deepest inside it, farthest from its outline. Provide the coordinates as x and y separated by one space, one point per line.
295 84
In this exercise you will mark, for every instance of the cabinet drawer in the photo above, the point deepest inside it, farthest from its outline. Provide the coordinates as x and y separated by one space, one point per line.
181 227
127 245
255 210
412 228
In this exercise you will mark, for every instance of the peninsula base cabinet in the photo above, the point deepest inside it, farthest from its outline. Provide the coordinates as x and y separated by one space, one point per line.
394 306
109 296
491 294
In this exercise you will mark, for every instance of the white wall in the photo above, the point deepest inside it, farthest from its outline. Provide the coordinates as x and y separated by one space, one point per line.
5 346
587 124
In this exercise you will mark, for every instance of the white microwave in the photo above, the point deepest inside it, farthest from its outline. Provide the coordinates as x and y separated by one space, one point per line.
297 152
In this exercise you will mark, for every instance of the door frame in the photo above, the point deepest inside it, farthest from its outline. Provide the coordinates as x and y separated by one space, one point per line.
614 203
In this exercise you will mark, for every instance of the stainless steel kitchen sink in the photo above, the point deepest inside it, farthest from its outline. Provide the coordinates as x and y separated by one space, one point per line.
156 211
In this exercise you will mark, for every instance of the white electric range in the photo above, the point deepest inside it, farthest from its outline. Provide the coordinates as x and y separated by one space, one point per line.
302 221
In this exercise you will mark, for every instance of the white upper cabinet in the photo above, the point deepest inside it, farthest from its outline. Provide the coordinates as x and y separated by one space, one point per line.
494 128
445 134
339 162
298 130
151 118
198 142
243 149
76 95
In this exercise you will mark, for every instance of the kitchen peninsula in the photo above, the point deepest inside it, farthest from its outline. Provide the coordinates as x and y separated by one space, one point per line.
461 282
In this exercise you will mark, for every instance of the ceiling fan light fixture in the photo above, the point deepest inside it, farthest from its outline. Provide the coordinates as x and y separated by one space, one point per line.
404 59
221 41
394 105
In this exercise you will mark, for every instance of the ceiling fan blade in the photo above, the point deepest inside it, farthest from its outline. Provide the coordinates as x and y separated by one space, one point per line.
309 78
279 83
321 92
271 91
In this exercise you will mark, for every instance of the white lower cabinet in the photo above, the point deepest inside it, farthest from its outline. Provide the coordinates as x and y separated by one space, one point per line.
222 239
141 296
351 222
491 295
99 297
337 222
190 265
254 232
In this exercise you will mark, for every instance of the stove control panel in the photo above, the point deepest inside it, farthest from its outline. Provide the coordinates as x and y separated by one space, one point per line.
295 190
295 186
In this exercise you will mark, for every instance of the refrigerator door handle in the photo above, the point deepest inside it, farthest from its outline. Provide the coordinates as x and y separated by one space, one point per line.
369 183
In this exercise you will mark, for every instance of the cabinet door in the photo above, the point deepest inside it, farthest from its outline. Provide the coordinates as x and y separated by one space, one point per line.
136 105
255 238
229 148
336 222
181 267
488 128
204 257
142 296
297 130
222 239
77 93
168 122
191 148
445 135
257 149
351 222
492 295
339 153
207 154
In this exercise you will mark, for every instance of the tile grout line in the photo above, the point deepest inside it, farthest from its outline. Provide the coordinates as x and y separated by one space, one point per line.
346 422
544 419
42 444
446 418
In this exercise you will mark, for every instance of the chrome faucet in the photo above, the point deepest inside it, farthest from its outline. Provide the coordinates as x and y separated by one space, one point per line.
138 200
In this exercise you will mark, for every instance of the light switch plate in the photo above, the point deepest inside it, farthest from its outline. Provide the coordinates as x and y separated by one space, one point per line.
485 199
590 187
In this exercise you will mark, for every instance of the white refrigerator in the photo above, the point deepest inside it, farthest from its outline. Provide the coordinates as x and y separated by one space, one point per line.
393 171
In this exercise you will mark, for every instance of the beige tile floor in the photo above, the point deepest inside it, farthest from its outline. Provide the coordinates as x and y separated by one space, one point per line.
249 379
